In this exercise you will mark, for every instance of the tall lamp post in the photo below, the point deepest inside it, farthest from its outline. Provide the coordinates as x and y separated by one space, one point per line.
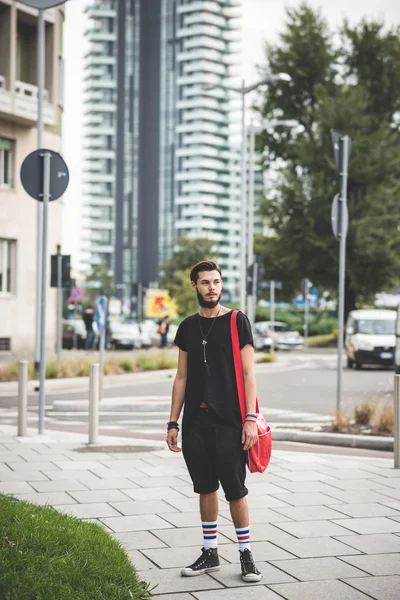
253 130
41 5
243 90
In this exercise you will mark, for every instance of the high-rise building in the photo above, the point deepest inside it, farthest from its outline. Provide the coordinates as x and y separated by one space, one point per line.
160 162
208 170
18 138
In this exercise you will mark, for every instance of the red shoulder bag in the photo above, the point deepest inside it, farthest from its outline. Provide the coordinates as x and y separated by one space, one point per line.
258 456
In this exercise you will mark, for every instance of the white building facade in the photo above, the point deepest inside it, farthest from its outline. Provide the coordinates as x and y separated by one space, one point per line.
18 138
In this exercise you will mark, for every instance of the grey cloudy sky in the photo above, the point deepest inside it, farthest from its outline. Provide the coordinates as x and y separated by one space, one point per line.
262 20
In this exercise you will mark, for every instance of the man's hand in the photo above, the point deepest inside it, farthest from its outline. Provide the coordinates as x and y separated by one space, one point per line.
172 440
249 434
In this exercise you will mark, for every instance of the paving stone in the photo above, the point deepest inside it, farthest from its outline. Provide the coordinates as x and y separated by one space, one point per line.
135 540
15 487
316 547
350 474
313 529
176 557
140 562
185 504
357 497
230 575
306 476
151 482
175 597
376 564
142 507
58 486
315 590
306 499
261 551
67 465
366 510
392 493
90 497
251 592
24 476
380 588
264 488
155 493
259 515
110 484
373 543
82 475
136 523
95 511
169 581
306 487
264 502
313 569
185 536
50 498
391 483
189 519
358 484
370 525
308 513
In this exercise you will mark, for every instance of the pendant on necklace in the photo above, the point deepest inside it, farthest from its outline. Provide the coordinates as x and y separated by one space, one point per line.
204 342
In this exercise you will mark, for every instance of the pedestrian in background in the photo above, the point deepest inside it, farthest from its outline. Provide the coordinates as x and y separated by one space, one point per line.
163 328
214 441
88 319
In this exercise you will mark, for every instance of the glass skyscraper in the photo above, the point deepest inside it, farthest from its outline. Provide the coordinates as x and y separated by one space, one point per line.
160 163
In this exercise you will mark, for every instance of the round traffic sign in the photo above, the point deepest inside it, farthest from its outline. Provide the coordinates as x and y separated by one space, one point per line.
32 175
43 4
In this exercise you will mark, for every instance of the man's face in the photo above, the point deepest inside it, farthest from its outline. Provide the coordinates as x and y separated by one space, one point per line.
208 287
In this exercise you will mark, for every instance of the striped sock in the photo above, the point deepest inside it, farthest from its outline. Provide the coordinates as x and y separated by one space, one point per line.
243 536
209 534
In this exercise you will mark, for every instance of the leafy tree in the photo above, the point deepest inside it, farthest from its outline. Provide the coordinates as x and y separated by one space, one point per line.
176 271
100 282
354 88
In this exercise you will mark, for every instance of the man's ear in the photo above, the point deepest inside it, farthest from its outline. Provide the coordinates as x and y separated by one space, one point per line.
193 285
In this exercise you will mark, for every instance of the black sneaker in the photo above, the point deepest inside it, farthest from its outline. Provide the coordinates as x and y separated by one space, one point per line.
250 573
206 563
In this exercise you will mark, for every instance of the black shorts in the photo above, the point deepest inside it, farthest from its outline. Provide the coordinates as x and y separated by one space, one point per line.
213 453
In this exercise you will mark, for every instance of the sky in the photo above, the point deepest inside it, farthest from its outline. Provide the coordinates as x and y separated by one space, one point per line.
262 20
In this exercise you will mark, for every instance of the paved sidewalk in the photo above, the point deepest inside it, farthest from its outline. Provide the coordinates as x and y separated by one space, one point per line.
323 527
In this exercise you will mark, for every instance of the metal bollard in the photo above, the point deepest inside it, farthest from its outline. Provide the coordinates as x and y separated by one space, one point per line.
22 397
396 446
94 404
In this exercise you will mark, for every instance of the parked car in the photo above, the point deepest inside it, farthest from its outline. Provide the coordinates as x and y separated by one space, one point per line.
70 329
262 338
370 338
280 335
126 336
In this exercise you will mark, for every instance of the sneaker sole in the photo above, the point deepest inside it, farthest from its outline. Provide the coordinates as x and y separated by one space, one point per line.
251 578
188 573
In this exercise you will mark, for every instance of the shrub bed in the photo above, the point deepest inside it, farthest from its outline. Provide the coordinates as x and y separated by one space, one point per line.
46 555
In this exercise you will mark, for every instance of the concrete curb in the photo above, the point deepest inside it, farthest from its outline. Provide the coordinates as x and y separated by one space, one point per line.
368 442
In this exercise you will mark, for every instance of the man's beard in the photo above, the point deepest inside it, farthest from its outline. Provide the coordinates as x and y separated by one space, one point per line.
207 303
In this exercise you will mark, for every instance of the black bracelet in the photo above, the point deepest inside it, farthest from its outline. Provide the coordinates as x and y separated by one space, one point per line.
251 415
172 425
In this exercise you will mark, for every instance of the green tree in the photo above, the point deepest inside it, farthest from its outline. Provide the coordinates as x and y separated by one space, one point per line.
176 270
335 87
100 282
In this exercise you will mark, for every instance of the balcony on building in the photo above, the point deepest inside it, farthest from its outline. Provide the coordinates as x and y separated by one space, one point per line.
18 66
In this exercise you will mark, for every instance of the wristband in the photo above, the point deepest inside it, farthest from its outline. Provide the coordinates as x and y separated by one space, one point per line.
252 415
172 425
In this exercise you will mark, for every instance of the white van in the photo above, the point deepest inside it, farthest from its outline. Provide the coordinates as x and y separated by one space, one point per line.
370 338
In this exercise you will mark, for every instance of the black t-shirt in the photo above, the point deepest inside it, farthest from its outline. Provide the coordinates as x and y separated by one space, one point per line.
215 386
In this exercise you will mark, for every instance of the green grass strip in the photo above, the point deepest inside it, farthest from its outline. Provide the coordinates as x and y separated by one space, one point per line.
46 555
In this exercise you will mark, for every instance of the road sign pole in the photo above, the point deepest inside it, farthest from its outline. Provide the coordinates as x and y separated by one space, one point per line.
39 208
342 267
46 198
306 309
251 298
272 310
102 346
59 311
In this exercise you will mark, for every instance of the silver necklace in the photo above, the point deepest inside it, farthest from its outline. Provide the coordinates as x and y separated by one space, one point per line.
204 341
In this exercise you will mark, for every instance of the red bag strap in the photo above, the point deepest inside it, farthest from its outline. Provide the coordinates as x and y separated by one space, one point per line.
237 360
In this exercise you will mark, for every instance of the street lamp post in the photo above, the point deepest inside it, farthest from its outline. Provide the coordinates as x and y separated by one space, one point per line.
243 90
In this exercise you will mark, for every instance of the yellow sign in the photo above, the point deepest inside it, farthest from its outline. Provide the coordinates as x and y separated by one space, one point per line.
159 304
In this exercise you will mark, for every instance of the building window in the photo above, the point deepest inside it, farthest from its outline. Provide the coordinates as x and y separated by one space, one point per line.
6 163
7 266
